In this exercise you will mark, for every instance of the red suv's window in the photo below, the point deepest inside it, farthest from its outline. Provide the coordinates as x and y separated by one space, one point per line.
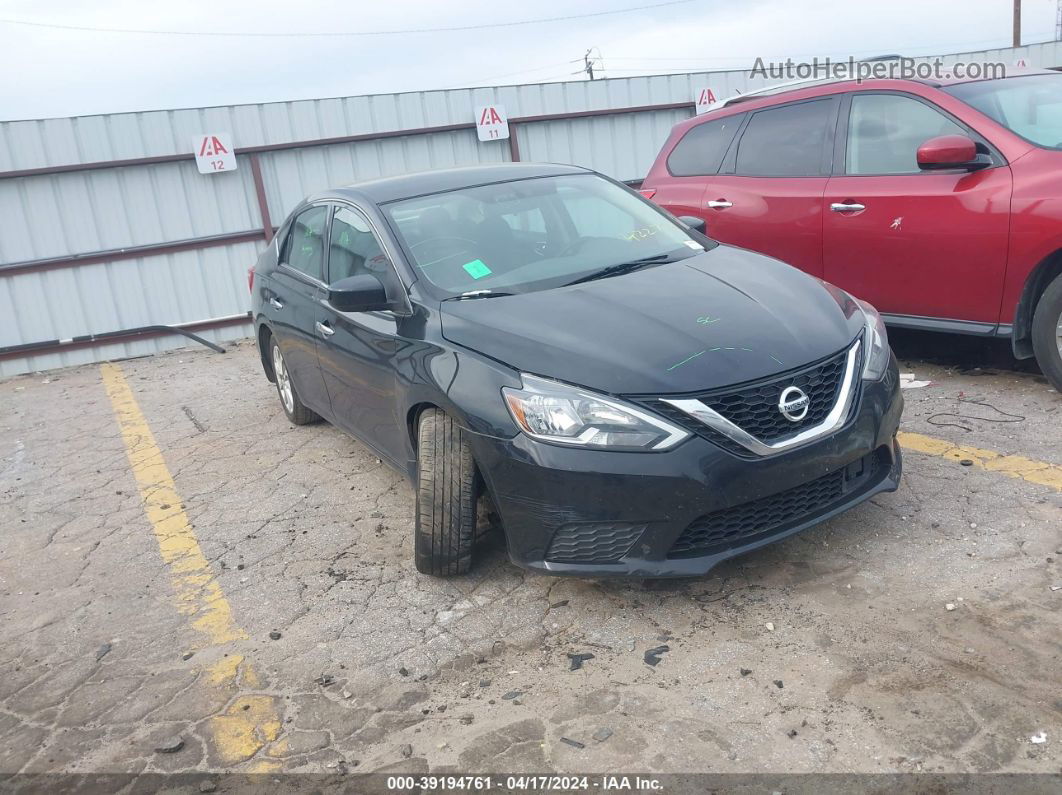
787 141
702 148
1029 105
885 131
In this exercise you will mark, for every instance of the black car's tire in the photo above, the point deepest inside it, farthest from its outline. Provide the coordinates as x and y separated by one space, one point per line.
1047 333
447 489
296 412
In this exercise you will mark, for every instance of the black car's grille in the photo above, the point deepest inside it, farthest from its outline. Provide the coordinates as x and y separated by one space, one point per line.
680 417
739 524
753 407
593 542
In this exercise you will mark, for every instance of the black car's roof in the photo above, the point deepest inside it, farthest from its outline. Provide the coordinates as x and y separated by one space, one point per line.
406 186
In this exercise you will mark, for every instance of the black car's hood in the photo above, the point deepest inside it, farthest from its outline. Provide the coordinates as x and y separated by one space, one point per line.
721 317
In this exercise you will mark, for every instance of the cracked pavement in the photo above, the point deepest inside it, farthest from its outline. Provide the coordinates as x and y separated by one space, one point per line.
378 668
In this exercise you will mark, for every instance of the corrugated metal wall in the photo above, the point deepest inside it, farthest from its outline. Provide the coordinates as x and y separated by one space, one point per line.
91 211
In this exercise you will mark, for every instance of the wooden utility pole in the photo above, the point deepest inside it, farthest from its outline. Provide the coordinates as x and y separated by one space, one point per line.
1017 23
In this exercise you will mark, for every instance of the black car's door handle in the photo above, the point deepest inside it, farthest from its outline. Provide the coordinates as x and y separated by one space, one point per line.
324 329
276 303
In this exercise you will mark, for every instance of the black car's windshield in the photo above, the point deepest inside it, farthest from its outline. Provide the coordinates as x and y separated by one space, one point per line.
534 234
1030 106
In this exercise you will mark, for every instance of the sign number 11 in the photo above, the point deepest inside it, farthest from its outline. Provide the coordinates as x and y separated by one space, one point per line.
491 123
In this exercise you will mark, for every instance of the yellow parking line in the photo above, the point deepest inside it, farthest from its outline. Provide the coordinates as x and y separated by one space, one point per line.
1014 466
251 721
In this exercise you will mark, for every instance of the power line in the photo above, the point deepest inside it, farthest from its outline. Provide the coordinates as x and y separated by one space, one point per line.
510 74
820 54
680 68
340 34
642 65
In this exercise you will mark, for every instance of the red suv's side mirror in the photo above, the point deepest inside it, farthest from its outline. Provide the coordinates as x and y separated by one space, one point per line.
950 151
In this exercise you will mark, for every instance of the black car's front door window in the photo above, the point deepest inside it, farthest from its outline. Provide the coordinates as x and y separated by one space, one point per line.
304 247
353 248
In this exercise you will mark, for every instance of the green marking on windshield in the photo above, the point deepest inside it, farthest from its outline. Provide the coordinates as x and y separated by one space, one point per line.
477 269
688 358
708 320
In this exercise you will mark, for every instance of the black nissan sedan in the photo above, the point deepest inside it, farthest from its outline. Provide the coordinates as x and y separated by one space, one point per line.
632 397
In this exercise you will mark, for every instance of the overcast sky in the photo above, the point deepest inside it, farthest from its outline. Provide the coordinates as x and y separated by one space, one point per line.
48 72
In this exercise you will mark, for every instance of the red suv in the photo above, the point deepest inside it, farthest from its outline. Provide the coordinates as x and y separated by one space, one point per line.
940 202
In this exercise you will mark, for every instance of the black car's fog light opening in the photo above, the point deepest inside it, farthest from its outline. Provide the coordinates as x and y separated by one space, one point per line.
555 412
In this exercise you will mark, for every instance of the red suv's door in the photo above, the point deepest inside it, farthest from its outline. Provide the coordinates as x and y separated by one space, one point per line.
764 190
677 182
925 244
768 194
779 216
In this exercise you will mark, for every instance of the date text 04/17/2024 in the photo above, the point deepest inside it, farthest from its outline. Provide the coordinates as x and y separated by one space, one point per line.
529 783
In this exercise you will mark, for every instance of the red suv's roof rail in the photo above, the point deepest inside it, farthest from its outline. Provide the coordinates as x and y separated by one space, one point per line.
796 85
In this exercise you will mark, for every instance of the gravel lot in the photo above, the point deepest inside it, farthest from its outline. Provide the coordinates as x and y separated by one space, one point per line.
833 651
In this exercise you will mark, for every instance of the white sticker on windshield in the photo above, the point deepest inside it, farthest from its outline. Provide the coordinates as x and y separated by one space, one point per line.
694 245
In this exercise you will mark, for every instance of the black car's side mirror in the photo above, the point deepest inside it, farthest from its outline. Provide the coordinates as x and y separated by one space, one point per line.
360 293
695 223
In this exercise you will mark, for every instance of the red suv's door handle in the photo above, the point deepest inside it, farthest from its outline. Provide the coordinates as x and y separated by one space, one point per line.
718 204
847 207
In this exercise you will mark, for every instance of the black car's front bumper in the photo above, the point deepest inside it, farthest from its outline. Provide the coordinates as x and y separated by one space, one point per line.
680 512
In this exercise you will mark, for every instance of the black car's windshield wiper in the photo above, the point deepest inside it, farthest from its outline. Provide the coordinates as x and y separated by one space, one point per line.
477 294
625 267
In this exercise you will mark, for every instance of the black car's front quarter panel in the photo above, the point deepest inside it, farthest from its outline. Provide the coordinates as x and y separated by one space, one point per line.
432 372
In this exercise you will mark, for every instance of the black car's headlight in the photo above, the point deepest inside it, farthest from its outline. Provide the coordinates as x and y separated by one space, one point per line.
876 342
555 412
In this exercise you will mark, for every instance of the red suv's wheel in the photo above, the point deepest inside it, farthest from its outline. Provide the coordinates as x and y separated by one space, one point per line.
1047 333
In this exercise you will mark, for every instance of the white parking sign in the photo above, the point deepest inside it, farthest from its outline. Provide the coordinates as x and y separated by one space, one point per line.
491 123
705 99
214 152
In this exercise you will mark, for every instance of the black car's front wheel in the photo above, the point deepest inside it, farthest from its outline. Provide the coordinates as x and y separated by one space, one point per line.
296 412
1047 333
446 496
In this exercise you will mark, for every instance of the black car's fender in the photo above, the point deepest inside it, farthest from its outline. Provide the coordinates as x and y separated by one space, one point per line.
454 380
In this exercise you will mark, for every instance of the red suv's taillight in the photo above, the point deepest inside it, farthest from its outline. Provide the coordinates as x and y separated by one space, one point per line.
250 279
647 192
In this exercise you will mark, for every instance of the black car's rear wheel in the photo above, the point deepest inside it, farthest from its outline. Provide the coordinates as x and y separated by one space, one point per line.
289 395
1047 333
446 497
